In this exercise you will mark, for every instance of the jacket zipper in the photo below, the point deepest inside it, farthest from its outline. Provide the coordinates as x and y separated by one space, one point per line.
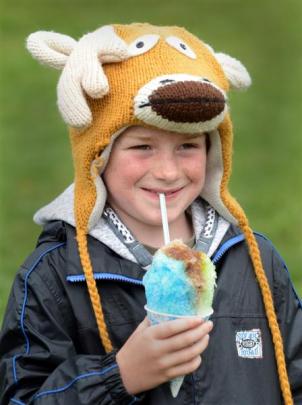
105 276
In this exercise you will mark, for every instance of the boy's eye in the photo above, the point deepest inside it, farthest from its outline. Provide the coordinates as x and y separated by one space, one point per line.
189 145
141 147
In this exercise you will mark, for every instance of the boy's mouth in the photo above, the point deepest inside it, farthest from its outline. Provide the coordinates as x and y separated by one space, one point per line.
168 193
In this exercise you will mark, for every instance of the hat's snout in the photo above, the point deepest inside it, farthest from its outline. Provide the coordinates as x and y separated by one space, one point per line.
181 103
187 101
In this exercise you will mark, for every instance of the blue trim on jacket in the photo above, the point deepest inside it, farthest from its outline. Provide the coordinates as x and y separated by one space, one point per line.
16 401
67 386
27 345
284 265
79 377
226 246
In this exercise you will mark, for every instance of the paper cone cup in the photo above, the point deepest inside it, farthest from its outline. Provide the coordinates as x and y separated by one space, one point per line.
175 385
159 317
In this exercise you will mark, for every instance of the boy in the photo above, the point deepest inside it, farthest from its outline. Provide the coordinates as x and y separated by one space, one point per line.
147 112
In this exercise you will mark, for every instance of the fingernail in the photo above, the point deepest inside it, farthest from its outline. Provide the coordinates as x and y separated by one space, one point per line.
211 325
197 319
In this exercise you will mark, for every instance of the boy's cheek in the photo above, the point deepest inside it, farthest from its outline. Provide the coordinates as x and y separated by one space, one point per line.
196 170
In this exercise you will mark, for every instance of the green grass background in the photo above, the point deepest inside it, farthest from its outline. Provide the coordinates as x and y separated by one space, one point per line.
267 172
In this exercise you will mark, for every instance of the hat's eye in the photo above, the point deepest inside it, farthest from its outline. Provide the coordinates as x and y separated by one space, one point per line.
181 46
143 44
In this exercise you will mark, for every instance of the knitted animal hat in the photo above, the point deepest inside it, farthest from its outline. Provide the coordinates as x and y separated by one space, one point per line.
163 77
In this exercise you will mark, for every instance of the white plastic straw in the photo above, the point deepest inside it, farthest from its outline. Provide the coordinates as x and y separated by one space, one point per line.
164 217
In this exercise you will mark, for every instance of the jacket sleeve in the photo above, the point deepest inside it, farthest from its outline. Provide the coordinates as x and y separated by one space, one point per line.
289 312
39 362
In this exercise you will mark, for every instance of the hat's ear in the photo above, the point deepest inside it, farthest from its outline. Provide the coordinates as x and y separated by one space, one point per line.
50 48
235 72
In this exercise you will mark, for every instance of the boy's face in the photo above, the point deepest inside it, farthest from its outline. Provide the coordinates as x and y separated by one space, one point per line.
144 162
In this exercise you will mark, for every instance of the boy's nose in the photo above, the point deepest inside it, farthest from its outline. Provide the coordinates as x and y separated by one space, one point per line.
166 168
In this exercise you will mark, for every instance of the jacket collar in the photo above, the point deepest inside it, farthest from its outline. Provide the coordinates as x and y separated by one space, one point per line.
103 259
106 263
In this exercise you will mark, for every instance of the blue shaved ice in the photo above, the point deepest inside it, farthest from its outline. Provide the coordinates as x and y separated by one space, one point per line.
170 290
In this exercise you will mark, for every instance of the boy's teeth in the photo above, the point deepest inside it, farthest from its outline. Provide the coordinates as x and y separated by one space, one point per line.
161 192
169 192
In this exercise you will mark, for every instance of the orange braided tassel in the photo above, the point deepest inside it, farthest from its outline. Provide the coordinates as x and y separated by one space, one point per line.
270 310
234 208
93 291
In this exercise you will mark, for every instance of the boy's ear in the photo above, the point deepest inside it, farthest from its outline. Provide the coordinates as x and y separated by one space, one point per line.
235 72
50 48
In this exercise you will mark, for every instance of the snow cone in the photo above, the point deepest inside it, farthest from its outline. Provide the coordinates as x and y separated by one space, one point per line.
180 283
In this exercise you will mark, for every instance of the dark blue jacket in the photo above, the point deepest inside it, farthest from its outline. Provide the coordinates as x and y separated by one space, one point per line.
51 352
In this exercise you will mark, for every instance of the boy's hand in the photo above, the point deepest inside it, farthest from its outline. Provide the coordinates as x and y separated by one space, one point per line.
155 354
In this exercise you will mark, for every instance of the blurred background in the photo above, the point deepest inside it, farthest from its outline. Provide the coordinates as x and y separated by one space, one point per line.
264 35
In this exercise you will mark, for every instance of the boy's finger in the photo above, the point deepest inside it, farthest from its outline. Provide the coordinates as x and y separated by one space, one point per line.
187 354
185 368
143 325
188 337
167 329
